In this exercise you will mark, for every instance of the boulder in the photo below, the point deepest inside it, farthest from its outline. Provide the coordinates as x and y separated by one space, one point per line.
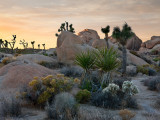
155 40
134 43
70 47
155 37
99 43
132 59
36 58
51 52
156 47
16 74
88 35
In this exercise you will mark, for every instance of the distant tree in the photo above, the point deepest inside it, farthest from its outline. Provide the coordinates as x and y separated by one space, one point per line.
32 42
12 44
6 44
25 44
106 30
65 27
1 43
122 36
43 46
38 46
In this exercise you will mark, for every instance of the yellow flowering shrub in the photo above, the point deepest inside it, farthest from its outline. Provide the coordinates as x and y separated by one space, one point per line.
45 88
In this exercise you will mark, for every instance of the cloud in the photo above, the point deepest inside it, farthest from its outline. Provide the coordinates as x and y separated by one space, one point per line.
41 18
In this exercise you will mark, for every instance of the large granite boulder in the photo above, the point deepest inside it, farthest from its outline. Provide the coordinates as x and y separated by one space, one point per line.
99 43
134 43
88 35
36 58
155 40
70 47
17 74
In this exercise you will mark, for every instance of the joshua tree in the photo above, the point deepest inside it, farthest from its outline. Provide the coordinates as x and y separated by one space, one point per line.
122 36
13 42
43 46
38 46
32 42
6 44
25 44
65 27
106 30
1 43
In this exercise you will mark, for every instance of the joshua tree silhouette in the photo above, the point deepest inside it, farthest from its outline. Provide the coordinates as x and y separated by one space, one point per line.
25 44
43 46
38 46
106 30
65 27
32 42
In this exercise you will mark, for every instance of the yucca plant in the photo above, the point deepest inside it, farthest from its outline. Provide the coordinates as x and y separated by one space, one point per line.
85 60
106 61
106 30
122 36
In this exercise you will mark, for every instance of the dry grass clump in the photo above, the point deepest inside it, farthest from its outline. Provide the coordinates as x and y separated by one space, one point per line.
87 112
9 107
7 60
126 114
63 108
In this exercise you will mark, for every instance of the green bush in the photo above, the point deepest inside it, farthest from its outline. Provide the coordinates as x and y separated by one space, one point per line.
83 96
154 52
134 53
156 59
142 69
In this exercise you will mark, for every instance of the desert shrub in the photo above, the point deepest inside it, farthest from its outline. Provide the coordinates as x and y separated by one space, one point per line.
129 88
156 59
154 52
7 60
44 89
119 81
87 112
106 100
126 114
51 65
153 84
143 70
64 107
83 96
134 53
10 107
131 102
112 88
72 71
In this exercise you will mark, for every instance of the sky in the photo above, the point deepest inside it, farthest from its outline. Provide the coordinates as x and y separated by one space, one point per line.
39 20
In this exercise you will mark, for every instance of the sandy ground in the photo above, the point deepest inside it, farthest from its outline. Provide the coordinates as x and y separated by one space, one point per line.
146 100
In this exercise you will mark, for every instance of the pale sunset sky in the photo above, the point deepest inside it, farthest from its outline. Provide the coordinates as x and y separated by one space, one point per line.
39 20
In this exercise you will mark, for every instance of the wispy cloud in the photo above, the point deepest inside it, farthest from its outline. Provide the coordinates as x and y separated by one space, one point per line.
40 19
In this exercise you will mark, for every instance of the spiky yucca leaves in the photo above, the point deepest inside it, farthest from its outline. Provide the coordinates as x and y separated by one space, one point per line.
106 30
122 36
106 60
85 60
